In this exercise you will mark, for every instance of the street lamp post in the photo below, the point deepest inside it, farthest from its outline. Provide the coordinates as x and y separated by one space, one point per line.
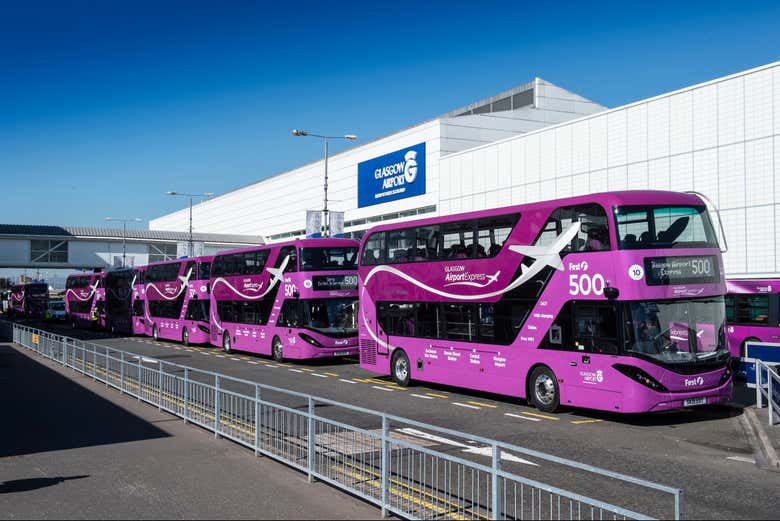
190 251
124 234
325 214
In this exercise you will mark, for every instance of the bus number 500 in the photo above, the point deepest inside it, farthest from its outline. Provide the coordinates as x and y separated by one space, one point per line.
585 284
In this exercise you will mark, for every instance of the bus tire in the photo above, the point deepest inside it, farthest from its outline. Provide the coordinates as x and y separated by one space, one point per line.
155 333
277 350
185 336
400 368
543 390
226 346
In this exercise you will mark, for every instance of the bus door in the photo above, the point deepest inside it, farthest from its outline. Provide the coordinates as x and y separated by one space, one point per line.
589 353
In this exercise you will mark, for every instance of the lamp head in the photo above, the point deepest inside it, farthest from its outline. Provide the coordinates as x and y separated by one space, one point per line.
299 133
170 193
351 137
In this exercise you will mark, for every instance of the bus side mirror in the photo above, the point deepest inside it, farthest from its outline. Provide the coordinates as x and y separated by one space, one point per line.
611 293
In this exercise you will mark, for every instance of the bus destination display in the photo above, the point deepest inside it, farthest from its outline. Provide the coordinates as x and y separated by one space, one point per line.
334 282
666 271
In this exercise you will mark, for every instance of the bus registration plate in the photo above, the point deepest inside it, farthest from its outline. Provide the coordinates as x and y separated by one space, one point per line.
695 401
340 353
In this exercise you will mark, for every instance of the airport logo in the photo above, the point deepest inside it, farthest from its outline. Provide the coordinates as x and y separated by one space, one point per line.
591 377
459 276
391 177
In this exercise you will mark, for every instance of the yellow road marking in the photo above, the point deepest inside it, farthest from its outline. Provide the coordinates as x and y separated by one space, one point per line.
540 416
331 374
580 422
307 370
484 405
437 395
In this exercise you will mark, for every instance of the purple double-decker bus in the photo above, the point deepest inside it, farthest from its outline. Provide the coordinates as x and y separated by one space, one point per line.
611 301
291 300
176 300
138 301
118 283
752 313
81 292
29 299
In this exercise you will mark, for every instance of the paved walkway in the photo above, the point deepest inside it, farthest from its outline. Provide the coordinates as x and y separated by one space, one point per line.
70 448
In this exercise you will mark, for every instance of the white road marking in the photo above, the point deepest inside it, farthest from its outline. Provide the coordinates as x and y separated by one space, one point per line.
295 370
742 459
145 360
482 451
220 356
253 363
522 417
234 358
271 366
382 388
177 347
205 353
347 381
421 396
466 405
319 375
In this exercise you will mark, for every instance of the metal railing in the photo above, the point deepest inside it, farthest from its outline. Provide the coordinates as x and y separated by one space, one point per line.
768 386
363 451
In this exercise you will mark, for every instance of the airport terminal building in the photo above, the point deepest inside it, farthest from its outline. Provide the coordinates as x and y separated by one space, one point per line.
536 142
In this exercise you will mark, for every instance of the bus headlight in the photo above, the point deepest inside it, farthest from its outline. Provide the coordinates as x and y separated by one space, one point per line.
312 341
638 375
726 376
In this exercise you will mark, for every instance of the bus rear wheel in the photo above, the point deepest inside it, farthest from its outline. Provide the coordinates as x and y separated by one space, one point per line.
543 391
399 366
277 351
226 342
185 337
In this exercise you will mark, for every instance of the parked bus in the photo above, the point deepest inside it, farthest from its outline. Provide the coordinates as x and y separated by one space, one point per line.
610 301
138 301
99 313
118 284
29 299
176 304
291 300
81 298
752 313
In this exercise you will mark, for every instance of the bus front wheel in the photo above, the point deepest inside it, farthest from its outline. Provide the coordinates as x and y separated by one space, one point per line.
277 351
400 368
226 342
543 392
155 333
185 337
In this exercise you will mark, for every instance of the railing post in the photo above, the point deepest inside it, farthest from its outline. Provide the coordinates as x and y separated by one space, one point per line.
159 385
258 422
186 394
310 431
65 350
122 372
495 503
94 363
678 505
140 378
759 399
769 396
385 464
105 364
216 406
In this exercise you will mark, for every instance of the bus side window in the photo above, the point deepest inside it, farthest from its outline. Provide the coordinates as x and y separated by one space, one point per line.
595 328
290 316
458 240
374 250
559 336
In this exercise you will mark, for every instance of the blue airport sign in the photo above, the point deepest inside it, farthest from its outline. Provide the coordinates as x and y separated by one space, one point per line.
391 177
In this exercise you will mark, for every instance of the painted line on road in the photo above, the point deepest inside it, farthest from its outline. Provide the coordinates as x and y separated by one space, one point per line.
253 363
742 459
437 395
272 366
541 416
244 358
318 375
220 356
346 381
295 370
580 422
521 417
234 358
177 348
480 404
331 374
204 353
382 388
422 396
307 370
467 406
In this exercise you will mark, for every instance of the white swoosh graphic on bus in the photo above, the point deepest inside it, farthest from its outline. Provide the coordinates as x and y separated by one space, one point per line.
276 276
542 256
88 297
184 282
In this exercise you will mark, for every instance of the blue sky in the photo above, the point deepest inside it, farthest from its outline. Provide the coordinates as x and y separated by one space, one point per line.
104 106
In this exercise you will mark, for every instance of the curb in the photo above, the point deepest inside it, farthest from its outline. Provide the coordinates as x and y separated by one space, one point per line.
766 455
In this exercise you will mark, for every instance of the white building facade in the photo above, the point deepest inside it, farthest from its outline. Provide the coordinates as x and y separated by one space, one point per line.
538 142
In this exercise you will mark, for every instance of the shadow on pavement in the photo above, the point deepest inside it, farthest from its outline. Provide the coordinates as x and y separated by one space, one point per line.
26 485
45 411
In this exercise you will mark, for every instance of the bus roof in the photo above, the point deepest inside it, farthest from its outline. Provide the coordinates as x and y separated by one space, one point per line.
202 258
606 199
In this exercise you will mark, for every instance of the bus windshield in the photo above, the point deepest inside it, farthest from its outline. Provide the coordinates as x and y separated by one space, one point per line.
676 331
37 289
643 227
324 259
331 316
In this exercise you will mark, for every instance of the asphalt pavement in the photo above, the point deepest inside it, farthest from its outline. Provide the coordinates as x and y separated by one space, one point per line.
704 451
72 449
